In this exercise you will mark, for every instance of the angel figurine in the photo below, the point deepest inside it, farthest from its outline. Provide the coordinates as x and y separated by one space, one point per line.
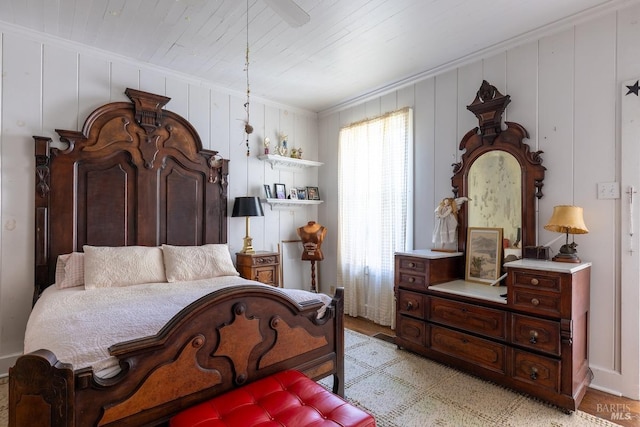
447 220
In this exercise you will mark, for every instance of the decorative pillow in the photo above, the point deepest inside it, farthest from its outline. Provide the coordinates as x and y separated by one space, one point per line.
106 267
184 263
70 270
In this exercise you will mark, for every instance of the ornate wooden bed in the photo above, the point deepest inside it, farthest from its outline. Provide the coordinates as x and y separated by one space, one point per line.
137 175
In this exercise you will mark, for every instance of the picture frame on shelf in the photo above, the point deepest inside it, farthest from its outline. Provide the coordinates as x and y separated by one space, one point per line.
293 193
484 255
302 194
280 190
267 191
313 193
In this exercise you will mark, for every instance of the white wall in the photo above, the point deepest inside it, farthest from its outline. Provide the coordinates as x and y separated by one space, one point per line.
564 90
50 84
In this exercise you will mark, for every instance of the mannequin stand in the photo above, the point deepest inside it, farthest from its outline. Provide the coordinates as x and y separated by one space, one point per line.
313 276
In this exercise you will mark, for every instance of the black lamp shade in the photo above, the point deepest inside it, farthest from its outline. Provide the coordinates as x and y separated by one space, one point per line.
247 206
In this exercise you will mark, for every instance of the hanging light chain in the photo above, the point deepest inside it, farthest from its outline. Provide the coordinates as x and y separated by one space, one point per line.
248 129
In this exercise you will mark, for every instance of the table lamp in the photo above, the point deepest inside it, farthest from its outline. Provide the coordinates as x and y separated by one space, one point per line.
567 219
247 207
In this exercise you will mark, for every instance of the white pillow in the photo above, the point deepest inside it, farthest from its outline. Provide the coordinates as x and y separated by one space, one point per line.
184 263
70 270
106 267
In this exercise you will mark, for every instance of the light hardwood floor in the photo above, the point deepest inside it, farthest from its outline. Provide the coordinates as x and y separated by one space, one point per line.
620 410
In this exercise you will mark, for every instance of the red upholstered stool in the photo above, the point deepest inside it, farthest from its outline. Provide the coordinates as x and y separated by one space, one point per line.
287 398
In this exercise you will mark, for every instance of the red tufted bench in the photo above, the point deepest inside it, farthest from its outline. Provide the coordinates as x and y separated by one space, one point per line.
287 398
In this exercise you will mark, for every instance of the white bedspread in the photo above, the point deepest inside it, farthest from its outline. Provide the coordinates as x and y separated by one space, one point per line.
79 325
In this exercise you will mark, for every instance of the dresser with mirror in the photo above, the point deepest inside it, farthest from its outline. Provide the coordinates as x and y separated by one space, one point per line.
527 332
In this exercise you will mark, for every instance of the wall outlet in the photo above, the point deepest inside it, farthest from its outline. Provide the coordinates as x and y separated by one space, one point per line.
608 190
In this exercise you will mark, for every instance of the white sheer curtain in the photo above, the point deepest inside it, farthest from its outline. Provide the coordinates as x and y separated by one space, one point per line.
375 211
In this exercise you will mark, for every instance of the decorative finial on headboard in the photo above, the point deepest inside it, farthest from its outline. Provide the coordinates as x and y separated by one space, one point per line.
488 107
148 108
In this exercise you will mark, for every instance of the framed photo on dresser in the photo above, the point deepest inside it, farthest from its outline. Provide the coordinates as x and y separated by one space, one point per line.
484 255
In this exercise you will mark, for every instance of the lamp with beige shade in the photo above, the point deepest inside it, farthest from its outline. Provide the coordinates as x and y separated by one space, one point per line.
569 220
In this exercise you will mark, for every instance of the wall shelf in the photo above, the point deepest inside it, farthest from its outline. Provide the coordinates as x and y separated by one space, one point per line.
289 204
288 163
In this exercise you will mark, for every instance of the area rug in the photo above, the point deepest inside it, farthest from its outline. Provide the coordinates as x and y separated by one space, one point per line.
402 389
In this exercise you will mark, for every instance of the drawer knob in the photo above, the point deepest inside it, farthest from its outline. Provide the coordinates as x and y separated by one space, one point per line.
534 373
412 279
533 337
409 305
535 281
535 301
412 265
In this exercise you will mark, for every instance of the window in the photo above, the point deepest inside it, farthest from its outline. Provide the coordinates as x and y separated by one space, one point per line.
375 211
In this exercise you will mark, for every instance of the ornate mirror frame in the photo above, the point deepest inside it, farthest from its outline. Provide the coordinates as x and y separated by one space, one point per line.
488 106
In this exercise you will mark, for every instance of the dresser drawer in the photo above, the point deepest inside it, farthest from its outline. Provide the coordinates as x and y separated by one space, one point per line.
484 353
538 334
536 302
411 304
538 370
414 265
537 280
411 330
265 260
470 317
411 281
419 273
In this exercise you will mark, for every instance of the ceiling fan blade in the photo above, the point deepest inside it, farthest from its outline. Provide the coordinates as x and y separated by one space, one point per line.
288 10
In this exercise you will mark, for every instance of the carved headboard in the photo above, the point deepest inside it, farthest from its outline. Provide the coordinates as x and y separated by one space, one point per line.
135 175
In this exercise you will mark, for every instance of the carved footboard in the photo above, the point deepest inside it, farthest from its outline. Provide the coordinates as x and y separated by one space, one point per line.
226 339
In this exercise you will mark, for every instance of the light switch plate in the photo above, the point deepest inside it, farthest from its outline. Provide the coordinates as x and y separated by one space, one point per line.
608 190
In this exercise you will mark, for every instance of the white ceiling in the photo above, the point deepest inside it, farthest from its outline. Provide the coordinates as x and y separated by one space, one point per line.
349 47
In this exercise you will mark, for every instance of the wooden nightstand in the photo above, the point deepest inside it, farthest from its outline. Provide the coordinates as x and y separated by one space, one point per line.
261 266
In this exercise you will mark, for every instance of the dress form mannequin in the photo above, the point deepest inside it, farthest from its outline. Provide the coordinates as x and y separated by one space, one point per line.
312 236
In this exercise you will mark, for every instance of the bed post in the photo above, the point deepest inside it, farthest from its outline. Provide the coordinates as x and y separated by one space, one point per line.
41 391
338 377
42 200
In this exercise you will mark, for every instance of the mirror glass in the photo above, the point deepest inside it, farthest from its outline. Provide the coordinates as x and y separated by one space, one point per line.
495 193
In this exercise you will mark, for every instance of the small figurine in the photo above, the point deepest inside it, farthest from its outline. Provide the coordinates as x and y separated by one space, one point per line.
282 148
267 141
447 220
